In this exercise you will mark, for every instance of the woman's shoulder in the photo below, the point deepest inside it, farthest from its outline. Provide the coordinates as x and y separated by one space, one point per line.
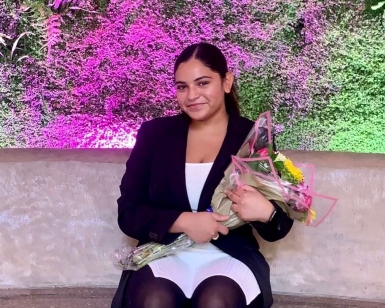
163 125
163 122
244 124
246 121
239 120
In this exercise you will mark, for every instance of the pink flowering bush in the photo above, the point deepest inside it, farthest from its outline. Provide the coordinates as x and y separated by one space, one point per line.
131 76
87 73
90 131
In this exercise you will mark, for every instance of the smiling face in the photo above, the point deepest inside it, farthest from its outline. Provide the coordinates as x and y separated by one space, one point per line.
200 91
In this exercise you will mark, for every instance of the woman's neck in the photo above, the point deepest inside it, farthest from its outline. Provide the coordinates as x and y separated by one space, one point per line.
217 121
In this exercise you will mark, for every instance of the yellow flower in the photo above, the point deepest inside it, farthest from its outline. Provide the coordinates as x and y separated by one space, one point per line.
293 170
313 214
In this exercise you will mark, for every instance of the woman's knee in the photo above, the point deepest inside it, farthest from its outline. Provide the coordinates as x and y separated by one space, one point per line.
160 298
215 300
218 292
146 291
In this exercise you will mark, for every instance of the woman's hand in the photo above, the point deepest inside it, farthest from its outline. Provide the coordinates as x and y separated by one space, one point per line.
200 227
249 204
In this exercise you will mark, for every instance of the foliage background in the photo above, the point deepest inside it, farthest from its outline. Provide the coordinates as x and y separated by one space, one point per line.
87 73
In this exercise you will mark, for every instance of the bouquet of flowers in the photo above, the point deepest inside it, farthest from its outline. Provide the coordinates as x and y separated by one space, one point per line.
258 165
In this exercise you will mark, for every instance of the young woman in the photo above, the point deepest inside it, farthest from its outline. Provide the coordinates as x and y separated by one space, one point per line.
170 177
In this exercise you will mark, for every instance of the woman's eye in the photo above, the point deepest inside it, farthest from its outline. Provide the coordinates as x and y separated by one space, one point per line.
180 88
203 83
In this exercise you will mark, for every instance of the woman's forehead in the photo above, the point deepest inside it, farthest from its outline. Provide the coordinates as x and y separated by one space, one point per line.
191 70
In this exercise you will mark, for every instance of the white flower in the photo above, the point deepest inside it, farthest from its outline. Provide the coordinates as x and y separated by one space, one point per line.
280 157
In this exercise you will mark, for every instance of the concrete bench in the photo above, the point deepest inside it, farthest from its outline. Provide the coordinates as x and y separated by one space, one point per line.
101 298
58 224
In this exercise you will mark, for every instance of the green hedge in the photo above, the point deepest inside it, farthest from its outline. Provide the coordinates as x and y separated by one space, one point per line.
354 119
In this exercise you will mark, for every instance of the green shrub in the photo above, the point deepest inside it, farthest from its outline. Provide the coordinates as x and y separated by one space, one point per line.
353 120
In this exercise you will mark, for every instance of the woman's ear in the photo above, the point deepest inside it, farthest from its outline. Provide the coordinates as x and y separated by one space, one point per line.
228 82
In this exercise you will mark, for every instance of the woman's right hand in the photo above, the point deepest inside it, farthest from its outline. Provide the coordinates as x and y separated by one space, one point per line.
200 227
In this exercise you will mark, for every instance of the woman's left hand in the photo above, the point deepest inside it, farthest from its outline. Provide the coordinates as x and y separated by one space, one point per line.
249 204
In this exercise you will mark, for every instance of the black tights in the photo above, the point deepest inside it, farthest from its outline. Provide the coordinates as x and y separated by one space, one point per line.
146 291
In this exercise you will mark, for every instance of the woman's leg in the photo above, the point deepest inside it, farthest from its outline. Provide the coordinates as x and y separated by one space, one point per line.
146 291
218 292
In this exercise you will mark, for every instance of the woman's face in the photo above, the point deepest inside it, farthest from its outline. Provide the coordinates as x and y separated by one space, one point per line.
200 91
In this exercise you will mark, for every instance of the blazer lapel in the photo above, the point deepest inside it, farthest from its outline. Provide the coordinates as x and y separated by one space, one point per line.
176 163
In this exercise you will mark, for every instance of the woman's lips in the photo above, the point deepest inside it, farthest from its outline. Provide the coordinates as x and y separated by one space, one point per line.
195 107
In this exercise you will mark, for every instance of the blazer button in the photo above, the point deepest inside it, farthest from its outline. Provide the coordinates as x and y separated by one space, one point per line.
153 235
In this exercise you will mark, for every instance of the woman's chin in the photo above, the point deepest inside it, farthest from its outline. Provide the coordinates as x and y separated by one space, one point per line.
198 116
202 113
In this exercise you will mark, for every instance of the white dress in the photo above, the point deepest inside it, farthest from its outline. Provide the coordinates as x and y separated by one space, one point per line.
189 267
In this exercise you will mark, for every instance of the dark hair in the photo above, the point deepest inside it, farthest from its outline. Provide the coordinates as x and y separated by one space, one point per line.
212 57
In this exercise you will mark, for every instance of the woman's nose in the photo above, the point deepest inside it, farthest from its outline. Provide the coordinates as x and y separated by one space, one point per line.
193 94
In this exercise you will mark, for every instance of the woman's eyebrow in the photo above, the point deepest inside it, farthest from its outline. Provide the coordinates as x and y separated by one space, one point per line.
182 82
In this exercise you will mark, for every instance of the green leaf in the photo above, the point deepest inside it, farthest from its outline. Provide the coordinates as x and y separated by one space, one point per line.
378 5
278 165
253 165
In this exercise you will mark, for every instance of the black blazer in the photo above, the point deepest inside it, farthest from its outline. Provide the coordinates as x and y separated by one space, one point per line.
153 195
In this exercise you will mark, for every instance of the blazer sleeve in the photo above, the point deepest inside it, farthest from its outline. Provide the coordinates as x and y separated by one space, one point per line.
276 229
137 217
